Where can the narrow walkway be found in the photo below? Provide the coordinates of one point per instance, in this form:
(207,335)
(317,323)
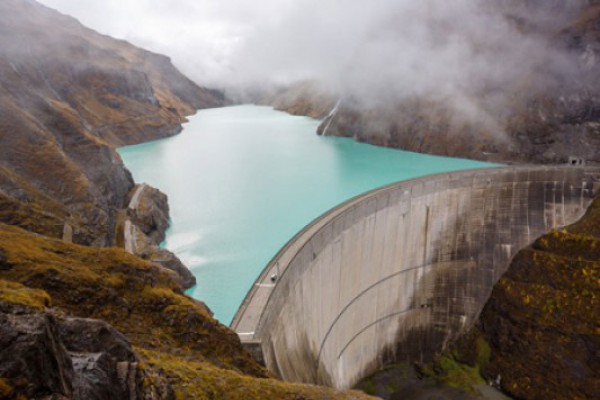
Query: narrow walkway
(129,237)
(129,229)
(135,199)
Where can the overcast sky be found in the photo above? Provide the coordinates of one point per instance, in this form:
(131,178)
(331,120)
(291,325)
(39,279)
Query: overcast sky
(368,49)
(199,35)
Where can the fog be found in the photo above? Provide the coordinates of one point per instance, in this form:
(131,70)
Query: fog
(200,36)
(375,50)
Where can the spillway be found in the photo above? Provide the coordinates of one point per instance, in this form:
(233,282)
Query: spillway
(398,273)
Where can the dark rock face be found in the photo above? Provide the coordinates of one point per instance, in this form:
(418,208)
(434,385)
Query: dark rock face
(73,358)
(32,357)
(86,335)
(542,318)
(148,210)
(98,376)
(105,365)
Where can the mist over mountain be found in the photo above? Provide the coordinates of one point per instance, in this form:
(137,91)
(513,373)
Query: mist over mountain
(503,80)
(416,44)
(510,80)
(400,48)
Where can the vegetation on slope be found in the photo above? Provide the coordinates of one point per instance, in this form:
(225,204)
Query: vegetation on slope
(172,334)
(538,336)
(542,319)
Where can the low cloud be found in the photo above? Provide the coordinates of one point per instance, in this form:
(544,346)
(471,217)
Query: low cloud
(375,50)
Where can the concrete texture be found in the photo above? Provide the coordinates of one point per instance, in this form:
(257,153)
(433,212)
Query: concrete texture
(400,272)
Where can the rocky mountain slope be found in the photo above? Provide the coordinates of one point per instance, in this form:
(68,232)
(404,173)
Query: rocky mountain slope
(78,322)
(542,320)
(68,96)
(548,115)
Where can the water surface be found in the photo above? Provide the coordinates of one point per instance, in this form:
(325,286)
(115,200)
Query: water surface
(243,180)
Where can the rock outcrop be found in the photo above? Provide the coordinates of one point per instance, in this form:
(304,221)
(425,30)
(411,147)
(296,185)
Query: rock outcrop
(144,226)
(44,355)
(32,358)
(149,210)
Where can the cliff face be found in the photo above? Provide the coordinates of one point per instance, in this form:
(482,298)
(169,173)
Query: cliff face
(68,96)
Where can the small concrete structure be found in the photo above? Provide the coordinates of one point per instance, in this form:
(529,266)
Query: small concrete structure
(576,161)
(135,199)
(67,233)
(129,229)
(398,273)
(130,236)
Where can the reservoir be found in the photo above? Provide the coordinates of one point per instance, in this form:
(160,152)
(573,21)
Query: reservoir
(243,180)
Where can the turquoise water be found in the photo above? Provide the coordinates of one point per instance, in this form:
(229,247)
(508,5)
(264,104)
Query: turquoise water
(243,180)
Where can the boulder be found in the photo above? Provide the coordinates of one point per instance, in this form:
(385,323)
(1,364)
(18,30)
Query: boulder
(33,360)
(43,356)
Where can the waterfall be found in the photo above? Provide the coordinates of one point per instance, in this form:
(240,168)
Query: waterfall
(329,117)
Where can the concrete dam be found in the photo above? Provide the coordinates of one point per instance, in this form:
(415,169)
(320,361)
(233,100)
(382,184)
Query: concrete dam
(398,273)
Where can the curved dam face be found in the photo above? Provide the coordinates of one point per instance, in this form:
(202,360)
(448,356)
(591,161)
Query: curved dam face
(399,273)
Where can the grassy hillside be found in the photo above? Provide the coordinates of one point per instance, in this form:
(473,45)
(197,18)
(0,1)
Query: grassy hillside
(174,336)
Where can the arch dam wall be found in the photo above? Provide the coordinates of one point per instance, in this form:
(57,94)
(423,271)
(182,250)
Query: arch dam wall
(399,273)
